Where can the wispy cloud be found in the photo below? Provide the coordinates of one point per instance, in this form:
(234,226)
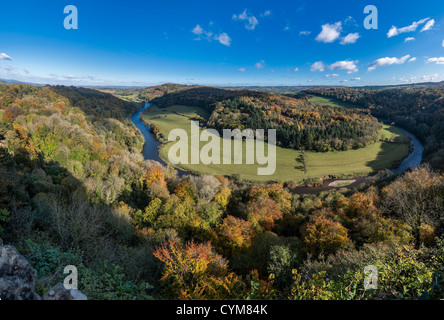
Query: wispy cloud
(331,75)
(241,70)
(430,77)
(409,39)
(304,33)
(438,60)
(394,31)
(260,64)
(330,32)
(251,21)
(201,33)
(223,38)
(387,62)
(428,25)
(356,79)
(4,56)
(350,38)
(348,65)
(317,66)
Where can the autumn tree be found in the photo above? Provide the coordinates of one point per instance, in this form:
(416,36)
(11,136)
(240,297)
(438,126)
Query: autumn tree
(154,174)
(263,213)
(235,235)
(417,198)
(321,234)
(196,271)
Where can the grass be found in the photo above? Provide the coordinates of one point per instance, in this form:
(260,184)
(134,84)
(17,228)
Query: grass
(380,155)
(327,101)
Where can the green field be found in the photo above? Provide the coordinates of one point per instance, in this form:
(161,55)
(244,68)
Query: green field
(327,101)
(375,157)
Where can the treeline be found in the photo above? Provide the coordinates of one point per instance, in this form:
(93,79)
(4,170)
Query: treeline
(151,93)
(418,110)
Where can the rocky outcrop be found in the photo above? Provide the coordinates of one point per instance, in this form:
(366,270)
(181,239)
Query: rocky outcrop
(58,292)
(17,279)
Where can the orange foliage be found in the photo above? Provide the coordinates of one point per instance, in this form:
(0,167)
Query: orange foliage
(322,235)
(154,174)
(263,213)
(275,192)
(196,272)
(235,235)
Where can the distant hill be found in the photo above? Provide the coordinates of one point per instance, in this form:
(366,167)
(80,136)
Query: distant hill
(10,81)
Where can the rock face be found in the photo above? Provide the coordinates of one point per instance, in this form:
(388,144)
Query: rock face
(58,292)
(17,279)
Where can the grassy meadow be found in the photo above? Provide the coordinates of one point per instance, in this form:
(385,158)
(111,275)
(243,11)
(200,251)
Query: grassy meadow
(363,161)
(327,101)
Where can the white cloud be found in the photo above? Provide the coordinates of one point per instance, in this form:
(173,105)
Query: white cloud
(412,59)
(223,38)
(197,30)
(317,66)
(4,56)
(350,38)
(330,32)
(201,33)
(443,43)
(356,79)
(251,21)
(394,31)
(266,13)
(304,33)
(7,68)
(404,79)
(331,75)
(350,66)
(430,77)
(241,69)
(260,64)
(343,81)
(296,69)
(387,61)
(438,60)
(409,39)
(428,25)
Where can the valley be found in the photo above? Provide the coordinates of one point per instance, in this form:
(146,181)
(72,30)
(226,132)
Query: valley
(339,164)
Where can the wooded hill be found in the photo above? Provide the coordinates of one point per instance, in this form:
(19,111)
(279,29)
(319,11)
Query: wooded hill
(418,110)
(299,124)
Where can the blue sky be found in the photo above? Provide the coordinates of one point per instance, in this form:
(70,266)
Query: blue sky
(222,42)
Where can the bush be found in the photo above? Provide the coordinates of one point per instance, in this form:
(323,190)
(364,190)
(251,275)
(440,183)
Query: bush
(3,218)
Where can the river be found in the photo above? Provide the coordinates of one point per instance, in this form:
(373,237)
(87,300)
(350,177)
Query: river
(150,152)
